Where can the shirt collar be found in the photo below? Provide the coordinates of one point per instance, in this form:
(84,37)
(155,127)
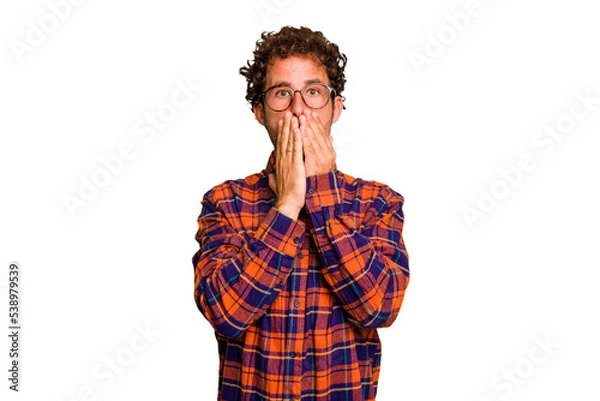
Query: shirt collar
(270,164)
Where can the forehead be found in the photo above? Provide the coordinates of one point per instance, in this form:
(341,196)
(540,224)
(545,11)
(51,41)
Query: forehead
(295,71)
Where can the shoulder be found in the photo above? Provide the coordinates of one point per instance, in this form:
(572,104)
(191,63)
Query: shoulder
(368,190)
(249,187)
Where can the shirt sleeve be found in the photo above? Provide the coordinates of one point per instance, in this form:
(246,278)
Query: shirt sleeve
(365,262)
(238,277)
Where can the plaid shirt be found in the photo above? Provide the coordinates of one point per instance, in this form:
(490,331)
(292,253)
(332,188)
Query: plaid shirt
(296,304)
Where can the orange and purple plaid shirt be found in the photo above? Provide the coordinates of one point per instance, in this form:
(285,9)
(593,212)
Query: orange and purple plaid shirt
(296,304)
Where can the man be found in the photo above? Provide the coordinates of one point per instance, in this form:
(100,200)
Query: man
(299,264)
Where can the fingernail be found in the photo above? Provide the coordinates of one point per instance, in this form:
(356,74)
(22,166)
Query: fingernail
(303,117)
(314,114)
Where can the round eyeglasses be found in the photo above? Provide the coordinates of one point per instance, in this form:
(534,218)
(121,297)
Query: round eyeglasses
(315,96)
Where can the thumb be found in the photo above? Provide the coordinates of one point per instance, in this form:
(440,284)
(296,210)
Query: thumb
(273,183)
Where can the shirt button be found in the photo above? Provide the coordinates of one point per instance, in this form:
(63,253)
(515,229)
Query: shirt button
(297,304)
(296,240)
(292,354)
(300,255)
(311,190)
(280,284)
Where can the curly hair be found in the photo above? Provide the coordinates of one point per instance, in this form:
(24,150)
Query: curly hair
(290,41)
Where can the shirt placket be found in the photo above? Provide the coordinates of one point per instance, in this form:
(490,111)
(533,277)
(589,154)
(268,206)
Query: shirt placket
(296,328)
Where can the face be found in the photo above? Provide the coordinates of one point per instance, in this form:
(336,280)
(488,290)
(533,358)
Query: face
(295,72)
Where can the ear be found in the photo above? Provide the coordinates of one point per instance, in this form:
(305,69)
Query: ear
(338,106)
(259,113)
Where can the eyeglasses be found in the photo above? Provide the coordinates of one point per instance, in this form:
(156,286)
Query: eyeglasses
(315,96)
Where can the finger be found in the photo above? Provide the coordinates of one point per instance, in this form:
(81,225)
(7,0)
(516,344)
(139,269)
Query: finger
(316,121)
(314,140)
(284,138)
(293,126)
(278,145)
(322,132)
(298,152)
(307,143)
(321,141)
(328,138)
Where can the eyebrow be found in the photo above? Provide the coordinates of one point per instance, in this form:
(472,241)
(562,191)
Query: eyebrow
(289,84)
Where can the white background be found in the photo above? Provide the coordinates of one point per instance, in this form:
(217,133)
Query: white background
(482,295)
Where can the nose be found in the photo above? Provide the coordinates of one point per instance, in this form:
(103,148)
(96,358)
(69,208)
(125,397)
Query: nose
(298,104)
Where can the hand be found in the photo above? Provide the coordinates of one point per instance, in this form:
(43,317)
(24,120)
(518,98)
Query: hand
(289,180)
(317,144)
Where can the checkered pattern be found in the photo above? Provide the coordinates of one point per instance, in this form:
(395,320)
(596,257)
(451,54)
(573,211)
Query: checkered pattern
(295,305)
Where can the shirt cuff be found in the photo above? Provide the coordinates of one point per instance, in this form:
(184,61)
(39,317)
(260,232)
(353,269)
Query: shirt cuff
(322,190)
(281,233)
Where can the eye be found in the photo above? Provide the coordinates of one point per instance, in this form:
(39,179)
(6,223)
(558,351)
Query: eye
(313,91)
(280,93)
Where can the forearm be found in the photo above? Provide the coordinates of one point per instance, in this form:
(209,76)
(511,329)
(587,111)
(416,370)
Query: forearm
(368,283)
(238,278)
(365,263)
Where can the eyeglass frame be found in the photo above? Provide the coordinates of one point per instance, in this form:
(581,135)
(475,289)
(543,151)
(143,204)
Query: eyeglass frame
(332,93)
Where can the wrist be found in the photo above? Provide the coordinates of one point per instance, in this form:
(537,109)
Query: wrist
(291,211)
